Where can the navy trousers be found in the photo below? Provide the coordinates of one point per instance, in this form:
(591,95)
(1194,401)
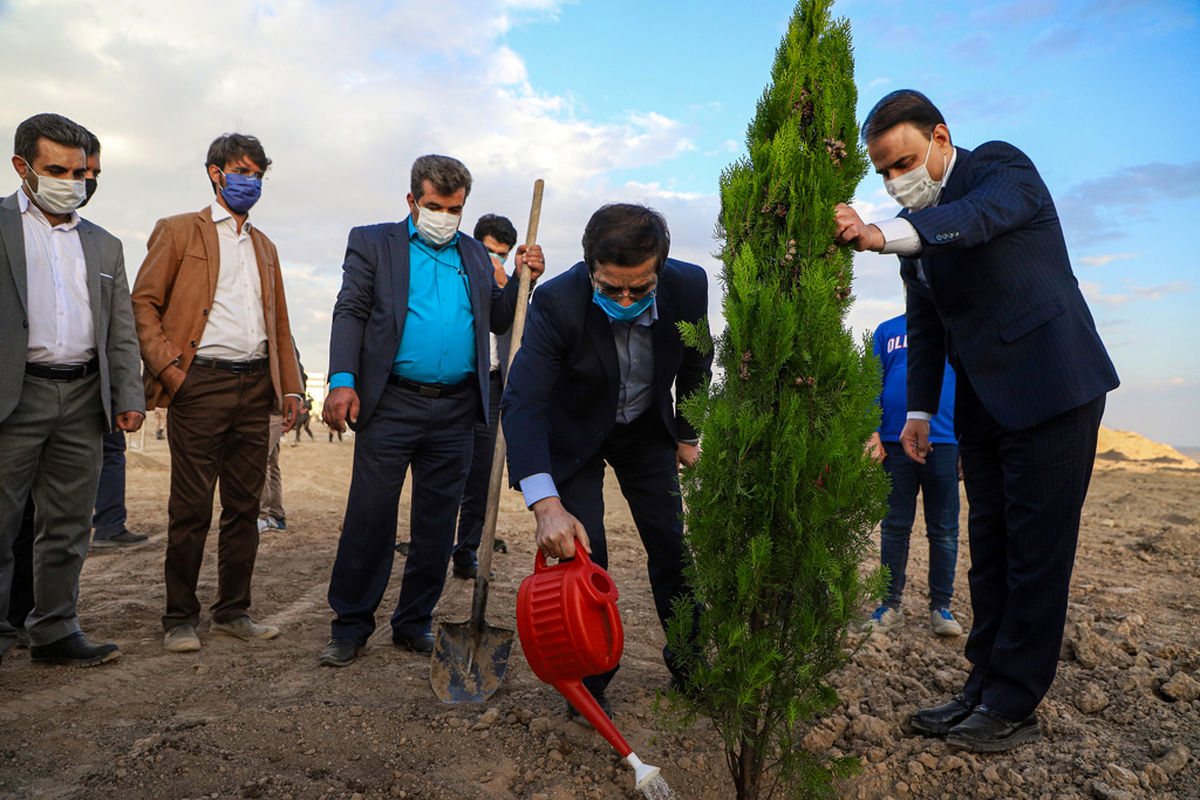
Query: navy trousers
(433,436)
(474,501)
(1026,490)
(643,457)
(109,517)
(937,481)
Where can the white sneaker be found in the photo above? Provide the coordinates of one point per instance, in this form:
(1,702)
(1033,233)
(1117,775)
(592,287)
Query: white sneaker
(943,623)
(883,618)
(181,639)
(263,524)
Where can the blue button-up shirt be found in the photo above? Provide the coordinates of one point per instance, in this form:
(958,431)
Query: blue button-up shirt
(438,345)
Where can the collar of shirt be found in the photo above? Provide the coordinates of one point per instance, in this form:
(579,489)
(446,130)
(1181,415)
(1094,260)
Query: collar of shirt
(413,236)
(27,206)
(220,213)
(645,319)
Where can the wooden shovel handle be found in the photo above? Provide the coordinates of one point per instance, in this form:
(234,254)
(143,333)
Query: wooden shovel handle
(488,539)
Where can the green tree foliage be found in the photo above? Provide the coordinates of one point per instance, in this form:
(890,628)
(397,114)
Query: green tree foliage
(781,505)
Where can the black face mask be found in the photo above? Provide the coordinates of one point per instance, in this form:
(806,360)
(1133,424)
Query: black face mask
(89,187)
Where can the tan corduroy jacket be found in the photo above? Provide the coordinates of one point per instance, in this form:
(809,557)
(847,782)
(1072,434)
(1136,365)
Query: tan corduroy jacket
(174,291)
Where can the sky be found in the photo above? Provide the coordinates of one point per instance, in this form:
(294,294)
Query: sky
(624,100)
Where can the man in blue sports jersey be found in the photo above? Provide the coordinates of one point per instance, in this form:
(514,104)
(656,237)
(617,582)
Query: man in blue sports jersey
(936,480)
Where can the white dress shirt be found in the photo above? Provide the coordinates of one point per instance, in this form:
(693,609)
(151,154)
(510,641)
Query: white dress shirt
(61,329)
(236,329)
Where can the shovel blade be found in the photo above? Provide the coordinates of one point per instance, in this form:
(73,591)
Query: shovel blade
(469,661)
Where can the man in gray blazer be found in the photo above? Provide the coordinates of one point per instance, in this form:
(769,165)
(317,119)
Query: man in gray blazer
(69,372)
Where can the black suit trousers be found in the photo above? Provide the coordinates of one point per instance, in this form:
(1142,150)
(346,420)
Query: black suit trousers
(1026,490)
(432,436)
(643,457)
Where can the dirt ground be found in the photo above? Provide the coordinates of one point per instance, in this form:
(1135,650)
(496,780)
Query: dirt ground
(262,720)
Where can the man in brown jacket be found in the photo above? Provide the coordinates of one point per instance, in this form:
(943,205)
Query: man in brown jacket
(213,325)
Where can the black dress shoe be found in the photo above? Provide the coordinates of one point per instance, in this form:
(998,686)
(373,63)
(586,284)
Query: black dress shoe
(466,570)
(601,700)
(74,650)
(339,653)
(421,643)
(985,731)
(939,720)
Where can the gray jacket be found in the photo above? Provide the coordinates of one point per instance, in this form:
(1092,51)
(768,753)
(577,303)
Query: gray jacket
(108,290)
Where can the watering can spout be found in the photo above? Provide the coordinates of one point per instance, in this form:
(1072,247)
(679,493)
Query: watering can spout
(642,773)
(578,696)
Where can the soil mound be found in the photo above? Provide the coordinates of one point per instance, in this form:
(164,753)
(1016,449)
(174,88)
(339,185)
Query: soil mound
(1127,449)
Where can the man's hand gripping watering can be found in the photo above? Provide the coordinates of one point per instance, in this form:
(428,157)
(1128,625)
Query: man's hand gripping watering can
(569,627)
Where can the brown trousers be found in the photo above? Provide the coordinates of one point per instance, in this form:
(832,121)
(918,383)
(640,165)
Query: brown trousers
(217,429)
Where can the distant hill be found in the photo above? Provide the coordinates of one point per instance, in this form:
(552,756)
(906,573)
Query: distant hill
(1126,449)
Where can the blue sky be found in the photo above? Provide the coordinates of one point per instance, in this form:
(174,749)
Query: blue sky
(614,100)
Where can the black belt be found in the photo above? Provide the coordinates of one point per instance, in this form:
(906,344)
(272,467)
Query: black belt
(236,367)
(430,389)
(63,372)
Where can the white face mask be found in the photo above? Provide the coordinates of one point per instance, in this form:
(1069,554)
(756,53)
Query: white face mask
(56,195)
(437,227)
(916,189)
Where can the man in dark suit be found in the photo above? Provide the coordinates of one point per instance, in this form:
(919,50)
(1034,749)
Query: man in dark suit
(990,286)
(593,382)
(68,371)
(409,367)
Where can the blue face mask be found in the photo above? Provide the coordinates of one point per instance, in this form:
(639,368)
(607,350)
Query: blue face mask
(618,312)
(241,192)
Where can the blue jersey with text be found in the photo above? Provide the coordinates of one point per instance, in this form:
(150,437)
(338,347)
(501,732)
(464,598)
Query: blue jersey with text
(891,346)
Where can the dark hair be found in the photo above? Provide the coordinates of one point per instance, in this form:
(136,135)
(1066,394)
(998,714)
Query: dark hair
(93,145)
(446,174)
(499,228)
(626,235)
(54,127)
(900,106)
(232,147)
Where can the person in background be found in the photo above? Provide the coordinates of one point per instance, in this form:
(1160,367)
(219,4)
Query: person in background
(271,515)
(215,336)
(936,480)
(499,237)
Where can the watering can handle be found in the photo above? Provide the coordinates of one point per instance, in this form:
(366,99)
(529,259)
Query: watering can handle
(540,564)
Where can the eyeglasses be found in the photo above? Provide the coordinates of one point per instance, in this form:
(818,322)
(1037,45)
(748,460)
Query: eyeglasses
(634,293)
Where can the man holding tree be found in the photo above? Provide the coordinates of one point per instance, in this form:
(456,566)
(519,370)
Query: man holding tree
(990,287)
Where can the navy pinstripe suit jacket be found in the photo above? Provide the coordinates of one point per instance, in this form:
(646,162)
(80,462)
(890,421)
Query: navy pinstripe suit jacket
(1000,300)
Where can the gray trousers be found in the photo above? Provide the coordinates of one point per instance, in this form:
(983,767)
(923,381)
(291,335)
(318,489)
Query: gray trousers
(50,448)
(271,503)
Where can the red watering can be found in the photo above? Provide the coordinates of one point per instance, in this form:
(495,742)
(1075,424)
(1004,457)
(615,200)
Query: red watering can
(569,627)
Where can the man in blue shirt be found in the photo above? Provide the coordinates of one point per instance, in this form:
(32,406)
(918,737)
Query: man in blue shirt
(409,367)
(936,479)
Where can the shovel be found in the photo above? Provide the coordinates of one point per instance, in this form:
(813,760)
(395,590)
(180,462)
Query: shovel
(470,658)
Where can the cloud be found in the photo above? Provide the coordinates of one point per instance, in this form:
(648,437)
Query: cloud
(975,48)
(342,117)
(1057,40)
(1017,13)
(1107,258)
(1095,293)
(1095,210)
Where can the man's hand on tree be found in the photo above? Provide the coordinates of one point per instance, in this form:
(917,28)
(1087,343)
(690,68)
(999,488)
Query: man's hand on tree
(342,404)
(915,439)
(853,231)
(557,529)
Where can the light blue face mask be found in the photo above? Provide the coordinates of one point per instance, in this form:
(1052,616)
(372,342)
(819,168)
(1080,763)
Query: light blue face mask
(619,312)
